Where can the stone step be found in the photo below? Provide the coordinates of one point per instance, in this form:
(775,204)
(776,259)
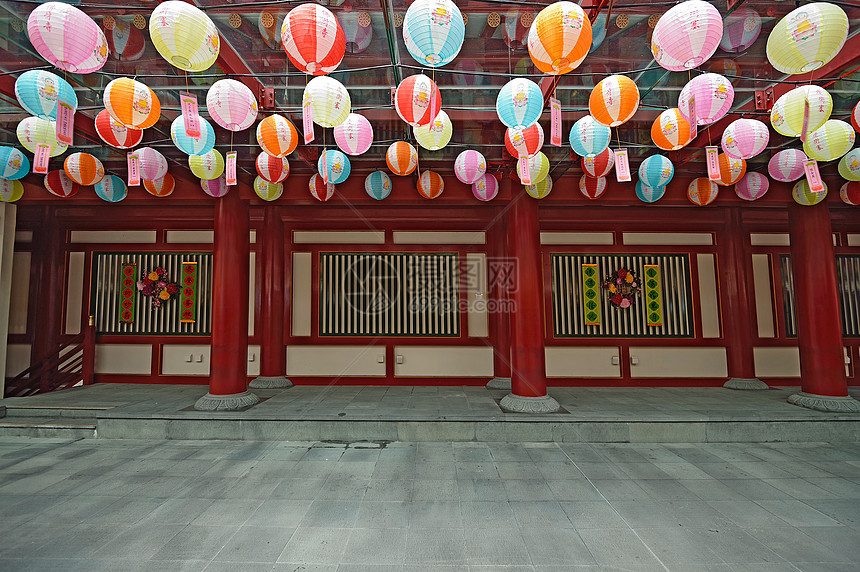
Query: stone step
(69,411)
(47,427)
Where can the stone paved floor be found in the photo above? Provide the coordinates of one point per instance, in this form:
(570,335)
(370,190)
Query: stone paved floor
(97,505)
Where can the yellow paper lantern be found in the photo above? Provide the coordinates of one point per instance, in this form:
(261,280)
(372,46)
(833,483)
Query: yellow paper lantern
(329,101)
(538,167)
(11,190)
(266,190)
(786,117)
(540,190)
(803,195)
(184,35)
(34,131)
(436,134)
(807,38)
(830,141)
(207,166)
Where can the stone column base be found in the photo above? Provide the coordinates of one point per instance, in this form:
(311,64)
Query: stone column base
(233,402)
(827,403)
(745,383)
(499,383)
(519,404)
(273,382)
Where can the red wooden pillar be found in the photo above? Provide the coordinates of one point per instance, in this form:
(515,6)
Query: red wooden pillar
(528,363)
(51,247)
(499,298)
(228,377)
(273,360)
(819,328)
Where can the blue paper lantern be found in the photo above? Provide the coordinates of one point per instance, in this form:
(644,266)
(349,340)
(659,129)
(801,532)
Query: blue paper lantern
(433,31)
(378,185)
(111,189)
(648,194)
(598,32)
(39,92)
(520,103)
(337,166)
(656,171)
(13,164)
(192,145)
(588,138)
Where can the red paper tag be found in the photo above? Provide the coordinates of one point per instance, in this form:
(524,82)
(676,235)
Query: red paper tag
(813,177)
(231,168)
(133,170)
(525,172)
(65,123)
(622,166)
(40,160)
(555,131)
(189,114)
(712,158)
(308,121)
(324,167)
(805,131)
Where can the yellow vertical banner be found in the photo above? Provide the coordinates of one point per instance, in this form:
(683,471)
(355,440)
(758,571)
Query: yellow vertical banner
(653,295)
(590,295)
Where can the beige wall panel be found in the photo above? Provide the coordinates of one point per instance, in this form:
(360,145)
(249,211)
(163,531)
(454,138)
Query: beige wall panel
(777,362)
(854,240)
(769,239)
(254,360)
(678,362)
(477,295)
(442,361)
(582,361)
(708,296)
(190,236)
(668,238)
(301,304)
(17,359)
(23,236)
(339,237)
(334,361)
(438,237)
(185,360)
(113,236)
(123,358)
(20,294)
(75,293)
(577,238)
(763,296)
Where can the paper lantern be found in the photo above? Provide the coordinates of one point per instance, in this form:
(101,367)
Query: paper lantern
(67,37)
(84,169)
(486,188)
(648,194)
(417,100)
(356,34)
(613,100)
(752,186)
(656,171)
(803,195)
(687,35)
(33,131)
(115,133)
(329,101)
(272,169)
(526,141)
(472,73)
(850,193)
(267,190)
(216,188)
(670,131)
(702,191)
(162,187)
(469,166)
(151,163)
(14,164)
(731,170)
(59,184)
(313,39)
(519,103)
(600,165)
(40,92)
(713,95)
(830,141)
(401,158)
(598,32)
(741,28)
(849,165)
(111,189)
(335,165)
(132,103)
(515,29)
(807,38)
(559,38)
(184,35)
(855,117)
(787,165)
(592,187)
(192,145)
(786,117)
(436,134)
(745,138)
(231,104)
(588,138)
(377,185)
(125,41)
(539,190)
(430,184)
(207,166)
(355,135)
(433,31)
(320,190)
(11,190)
(277,135)
(538,167)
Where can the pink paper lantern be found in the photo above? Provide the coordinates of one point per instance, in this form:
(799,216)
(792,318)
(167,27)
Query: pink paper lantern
(599,166)
(855,117)
(687,35)
(752,186)
(486,188)
(592,187)
(67,37)
(850,193)
(231,104)
(745,138)
(151,163)
(272,169)
(355,135)
(320,190)
(713,95)
(787,165)
(469,166)
(215,188)
(741,29)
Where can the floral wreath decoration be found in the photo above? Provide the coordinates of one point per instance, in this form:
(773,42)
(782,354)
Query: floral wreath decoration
(623,285)
(157,285)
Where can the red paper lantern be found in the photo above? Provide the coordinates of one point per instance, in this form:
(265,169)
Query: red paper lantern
(526,141)
(272,169)
(58,183)
(599,166)
(592,187)
(313,39)
(417,100)
(115,133)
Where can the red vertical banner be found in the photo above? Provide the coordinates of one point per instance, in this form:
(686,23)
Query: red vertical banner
(133,170)
(813,176)
(712,158)
(65,123)
(188,297)
(127,291)
(555,113)
(41,159)
(190,115)
(525,172)
(622,166)
(231,168)
(308,121)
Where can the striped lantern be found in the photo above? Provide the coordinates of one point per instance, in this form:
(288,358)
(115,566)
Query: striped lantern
(377,185)
(469,77)
(430,184)
(216,188)
(231,104)
(786,117)
(592,187)
(14,164)
(111,189)
(433,31)
(787,165)
(401,158)
(11,190)
(272,169)
(830,141)
(59,184)
(277,136)
(162,187)
(702,191)
(207,166)
(803,195)
(538,167)
(745,138)
(670,131)
(599,166)
(334,166)
(151,163)
(115,133)
(84,169)
(613,100)
(519,103)
(741,29)
(33,131)
(855,117)
(559,38)
(656,171)
(526,141)
(731,170)
(436,134)
(192,145)
(588,138)
(539,190)
(713,95)
(313,39)
(356,35)
(648,194)
(40,92)
(267,190)
(850,193)
(752,186)
(687,35)
(417,100)
(470,166)
(125,41)
(486,188)
(849,165)
(67,37)
(807,38)
(184,35)
(355,135)
(329,101)
(132,103)
(320,190)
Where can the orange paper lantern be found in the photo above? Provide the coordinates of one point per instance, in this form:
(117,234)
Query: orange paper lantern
(613,100)
(132,103)
(559,38)
(731,170)
(402,158)
(430,184)
(84,169)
